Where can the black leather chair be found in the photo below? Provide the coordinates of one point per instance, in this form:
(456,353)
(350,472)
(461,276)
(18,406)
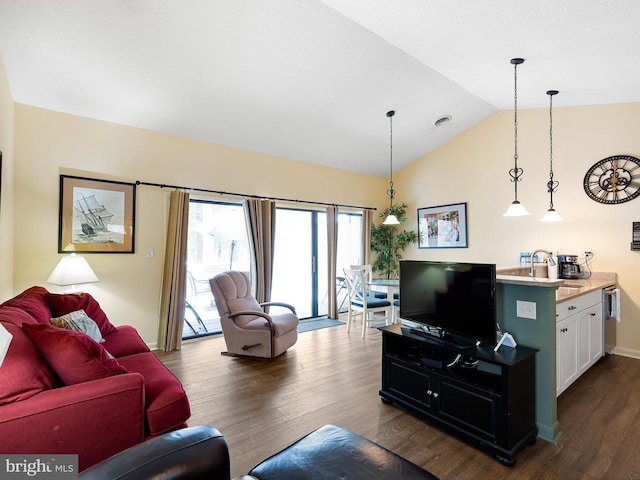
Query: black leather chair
(329,453)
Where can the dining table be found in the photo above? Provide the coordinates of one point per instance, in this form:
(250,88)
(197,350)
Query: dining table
(391,287)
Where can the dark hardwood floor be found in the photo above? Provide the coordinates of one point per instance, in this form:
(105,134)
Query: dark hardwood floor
(329,376)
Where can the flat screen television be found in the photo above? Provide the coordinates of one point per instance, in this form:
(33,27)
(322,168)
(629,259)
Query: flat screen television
(453,301)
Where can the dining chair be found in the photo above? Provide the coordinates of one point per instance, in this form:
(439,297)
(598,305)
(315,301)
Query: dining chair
(341,284)
(396,311)
(360,302)
(368,275)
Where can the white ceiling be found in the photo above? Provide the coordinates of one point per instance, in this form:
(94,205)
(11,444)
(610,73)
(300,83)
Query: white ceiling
(312,80)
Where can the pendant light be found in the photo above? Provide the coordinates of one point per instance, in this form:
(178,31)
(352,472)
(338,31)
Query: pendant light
(391,218)
(552,185)
(516,209)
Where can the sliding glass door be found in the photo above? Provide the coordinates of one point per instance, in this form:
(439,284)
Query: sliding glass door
(218,242)
(349,252)
(300,259)
(295,265)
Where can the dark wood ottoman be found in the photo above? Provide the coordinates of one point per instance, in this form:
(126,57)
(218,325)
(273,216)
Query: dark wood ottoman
(332,453)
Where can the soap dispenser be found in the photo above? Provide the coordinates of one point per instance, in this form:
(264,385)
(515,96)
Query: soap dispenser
(552,268)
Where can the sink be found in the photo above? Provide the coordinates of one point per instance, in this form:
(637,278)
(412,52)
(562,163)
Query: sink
(567,289)
(540,271)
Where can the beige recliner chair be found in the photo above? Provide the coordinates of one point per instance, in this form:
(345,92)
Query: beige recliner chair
(247,329)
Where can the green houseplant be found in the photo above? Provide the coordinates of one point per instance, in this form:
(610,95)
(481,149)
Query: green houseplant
(389,241)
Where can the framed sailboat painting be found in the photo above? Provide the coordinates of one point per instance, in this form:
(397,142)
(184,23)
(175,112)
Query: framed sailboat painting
(96,216)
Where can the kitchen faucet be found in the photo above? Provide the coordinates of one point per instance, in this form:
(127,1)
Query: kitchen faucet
(549,257)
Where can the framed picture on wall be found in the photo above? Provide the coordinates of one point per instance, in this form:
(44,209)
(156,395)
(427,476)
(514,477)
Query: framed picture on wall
(444,226)
(96,216)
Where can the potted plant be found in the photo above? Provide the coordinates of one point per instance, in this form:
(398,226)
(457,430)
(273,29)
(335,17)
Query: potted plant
(389,241)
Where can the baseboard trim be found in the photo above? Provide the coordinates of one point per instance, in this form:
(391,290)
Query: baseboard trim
(626,352)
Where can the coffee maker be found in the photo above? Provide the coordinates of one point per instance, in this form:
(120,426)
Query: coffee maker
(568,267)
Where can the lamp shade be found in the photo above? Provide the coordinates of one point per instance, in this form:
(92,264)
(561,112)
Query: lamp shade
(516,209)
(551,216)
(5,341)
(391,220)
(72,270)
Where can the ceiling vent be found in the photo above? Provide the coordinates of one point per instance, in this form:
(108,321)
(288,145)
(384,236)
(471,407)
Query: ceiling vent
(442,120)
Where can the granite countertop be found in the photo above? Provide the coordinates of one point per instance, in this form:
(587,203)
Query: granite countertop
(580,286)
(566,289)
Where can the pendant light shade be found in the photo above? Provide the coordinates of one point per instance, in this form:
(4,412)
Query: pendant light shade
(516,209)
(391,218)
(551,216)
(552,185)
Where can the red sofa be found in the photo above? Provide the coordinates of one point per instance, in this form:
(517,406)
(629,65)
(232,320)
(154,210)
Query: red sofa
(63,392)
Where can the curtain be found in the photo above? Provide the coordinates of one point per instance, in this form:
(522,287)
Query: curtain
(260,217)
(367,221)
(172,302)
(332,259)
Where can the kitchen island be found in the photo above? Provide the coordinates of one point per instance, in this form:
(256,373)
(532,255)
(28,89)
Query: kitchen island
(528,309)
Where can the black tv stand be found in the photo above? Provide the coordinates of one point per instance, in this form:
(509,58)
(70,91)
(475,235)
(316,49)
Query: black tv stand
(438,335)
(484,396)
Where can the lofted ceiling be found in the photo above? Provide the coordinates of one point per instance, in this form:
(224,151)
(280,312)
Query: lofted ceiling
(312,80)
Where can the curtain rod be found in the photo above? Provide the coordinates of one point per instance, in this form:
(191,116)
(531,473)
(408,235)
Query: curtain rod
(220,192)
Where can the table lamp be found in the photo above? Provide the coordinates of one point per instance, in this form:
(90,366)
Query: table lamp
(72,270)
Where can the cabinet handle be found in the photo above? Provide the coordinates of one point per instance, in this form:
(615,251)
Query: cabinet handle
(572,307)
(435,394)
(592,314)
(429,392)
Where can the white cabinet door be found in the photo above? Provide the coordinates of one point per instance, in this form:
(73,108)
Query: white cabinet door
(596,333)
(566,352)
(579,337)
(583,325)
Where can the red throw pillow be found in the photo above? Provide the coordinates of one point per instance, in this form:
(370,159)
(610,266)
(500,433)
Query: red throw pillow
(23,372)
(63,303)
(74,356)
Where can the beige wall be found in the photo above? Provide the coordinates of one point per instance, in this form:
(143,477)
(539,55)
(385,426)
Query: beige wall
(6,188)
(50,143)
(473,168)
